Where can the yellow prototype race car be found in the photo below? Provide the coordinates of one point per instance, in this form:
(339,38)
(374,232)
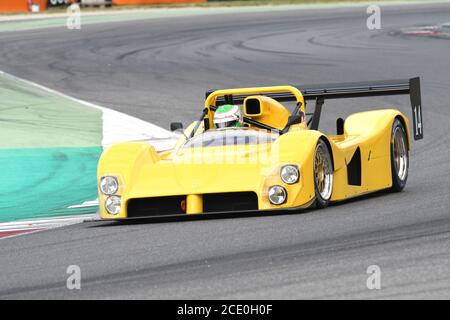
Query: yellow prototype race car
(277,160)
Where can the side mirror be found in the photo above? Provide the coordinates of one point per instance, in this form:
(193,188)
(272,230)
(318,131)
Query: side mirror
(174,126)
(293,119)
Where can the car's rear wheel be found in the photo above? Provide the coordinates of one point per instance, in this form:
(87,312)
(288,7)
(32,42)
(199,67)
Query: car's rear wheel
(399,156)
(323,175)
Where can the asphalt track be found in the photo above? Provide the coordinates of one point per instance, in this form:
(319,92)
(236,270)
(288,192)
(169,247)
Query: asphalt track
(158,70)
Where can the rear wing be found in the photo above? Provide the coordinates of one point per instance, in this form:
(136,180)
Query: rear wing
(319,93)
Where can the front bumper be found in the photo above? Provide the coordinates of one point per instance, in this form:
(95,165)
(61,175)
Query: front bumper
(213,215)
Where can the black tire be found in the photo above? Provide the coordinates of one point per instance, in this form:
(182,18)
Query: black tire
(399,156)
(323,188)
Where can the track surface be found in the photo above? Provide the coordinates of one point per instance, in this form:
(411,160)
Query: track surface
(158,70)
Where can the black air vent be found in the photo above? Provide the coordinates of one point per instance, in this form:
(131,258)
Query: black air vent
(233,201)
(354,169)
(157,206)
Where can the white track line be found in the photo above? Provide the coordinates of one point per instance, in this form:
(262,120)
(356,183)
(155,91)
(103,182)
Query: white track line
(47,223)
(117,126)
(85,204)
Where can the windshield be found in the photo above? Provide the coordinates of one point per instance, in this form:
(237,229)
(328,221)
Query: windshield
(230,136)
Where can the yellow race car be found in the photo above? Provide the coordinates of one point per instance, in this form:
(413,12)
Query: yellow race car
(277,160)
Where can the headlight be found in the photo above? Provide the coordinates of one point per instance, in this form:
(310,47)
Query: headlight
(290,174)
(277,195)
(109,185)
(113,205)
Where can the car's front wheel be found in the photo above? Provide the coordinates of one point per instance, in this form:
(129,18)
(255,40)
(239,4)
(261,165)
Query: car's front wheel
(323,175)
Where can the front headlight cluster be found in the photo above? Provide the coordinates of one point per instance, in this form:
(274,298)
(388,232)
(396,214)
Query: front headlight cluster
(289,174)
(113,204)
(109,187)
(277,195)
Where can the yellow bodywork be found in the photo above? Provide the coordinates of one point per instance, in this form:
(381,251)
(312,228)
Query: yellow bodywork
(194,172)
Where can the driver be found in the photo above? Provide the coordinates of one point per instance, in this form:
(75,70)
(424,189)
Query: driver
(228,116)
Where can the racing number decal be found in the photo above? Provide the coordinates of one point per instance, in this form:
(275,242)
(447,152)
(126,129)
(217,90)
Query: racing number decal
(416,105)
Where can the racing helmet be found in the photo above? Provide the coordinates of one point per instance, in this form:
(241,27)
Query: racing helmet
(228,116)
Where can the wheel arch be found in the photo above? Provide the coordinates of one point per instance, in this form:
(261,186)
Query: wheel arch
(330,149)
(124,158)
(405,124)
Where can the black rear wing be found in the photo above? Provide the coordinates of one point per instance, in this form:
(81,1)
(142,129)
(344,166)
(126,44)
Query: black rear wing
(319,93)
